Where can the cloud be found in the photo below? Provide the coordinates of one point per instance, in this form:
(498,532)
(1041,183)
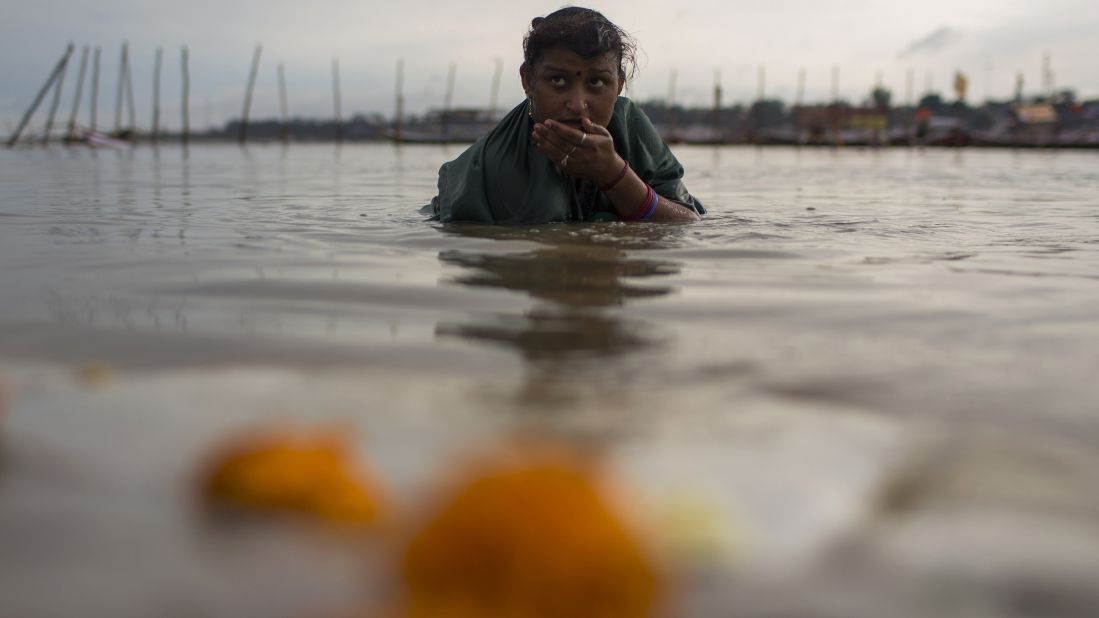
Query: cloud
(933,42)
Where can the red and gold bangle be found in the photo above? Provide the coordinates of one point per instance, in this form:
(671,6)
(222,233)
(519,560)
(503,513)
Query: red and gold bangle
(617,179)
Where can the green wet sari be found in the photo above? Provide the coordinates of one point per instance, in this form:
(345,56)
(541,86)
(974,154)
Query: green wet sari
(503,179)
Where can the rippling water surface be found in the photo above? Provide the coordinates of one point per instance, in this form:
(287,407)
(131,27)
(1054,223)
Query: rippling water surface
(865,366)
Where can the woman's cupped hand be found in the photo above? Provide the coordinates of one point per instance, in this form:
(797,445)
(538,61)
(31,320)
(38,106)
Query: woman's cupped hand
(586,152)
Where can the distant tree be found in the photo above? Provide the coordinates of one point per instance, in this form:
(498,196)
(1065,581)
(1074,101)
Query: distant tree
(767,113)
(881,97)
(1067,95)
(932,102)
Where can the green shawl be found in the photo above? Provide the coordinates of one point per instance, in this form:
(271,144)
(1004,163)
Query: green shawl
(502,178)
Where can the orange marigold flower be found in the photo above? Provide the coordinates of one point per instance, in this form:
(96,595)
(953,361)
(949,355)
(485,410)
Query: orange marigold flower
(298,470)
(531,535)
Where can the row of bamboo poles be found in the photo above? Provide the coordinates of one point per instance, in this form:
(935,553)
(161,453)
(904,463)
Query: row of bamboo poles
(125,98)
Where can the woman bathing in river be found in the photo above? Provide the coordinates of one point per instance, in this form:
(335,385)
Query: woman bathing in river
(574,150)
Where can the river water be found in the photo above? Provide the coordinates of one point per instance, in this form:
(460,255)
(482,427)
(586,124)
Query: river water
(871,376)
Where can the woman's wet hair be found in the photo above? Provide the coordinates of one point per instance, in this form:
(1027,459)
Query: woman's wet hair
(583,31)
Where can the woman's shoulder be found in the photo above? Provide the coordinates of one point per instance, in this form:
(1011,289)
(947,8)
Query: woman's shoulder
(631,125)
(627,109)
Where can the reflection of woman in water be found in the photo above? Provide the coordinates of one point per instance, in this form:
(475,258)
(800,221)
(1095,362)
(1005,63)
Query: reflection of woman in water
(574,150)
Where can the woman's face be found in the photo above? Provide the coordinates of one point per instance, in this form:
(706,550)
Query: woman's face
(564,86)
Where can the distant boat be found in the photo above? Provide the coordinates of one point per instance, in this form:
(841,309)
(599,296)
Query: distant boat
(96,139)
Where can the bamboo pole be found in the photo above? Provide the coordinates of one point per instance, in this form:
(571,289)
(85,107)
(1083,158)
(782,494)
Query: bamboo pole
(118,91)
(282,105)
(398,116)
(94,111)
(800,98)
(717,105)
(837,139)
(671,104)
(495,89)
(1047,76)
(799,101)
(447,100)
(56,101)
(248,94)
(910,115)
(41,94)
(185,135)
(336,98)
(70,133)
(156,94)
(717,90)
(130,95)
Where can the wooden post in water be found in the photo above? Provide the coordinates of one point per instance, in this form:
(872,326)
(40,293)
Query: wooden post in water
(285,132)
(118,91)
(38,98)
(336,98)
(56,100)
(132,115)
(834,111)
(398,116)
(248,94)
(671,106)
(719,132)
(447,100)
(70,133)
(1047,76)
(910,116)
(799,100)
(94,111)
(495,89)
(185,131)
(717,90)
(156,94)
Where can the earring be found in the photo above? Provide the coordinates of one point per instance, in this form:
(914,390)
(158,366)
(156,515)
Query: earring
(530,107)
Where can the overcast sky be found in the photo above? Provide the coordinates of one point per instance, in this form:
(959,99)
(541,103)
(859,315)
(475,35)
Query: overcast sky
(988,40)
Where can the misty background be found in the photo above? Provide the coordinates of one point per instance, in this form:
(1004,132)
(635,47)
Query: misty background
(990,41)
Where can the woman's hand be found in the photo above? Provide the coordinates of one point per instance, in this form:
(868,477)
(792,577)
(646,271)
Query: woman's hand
(587,152)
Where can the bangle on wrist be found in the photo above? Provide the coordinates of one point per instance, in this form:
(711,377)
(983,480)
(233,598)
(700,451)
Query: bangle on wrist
(617,179)
(648,206)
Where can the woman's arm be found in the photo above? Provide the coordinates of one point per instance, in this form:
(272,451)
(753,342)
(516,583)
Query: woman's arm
(588,153)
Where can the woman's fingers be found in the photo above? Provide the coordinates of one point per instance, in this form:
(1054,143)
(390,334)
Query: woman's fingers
(549,147)
(591,127)
(578,150)
(564,137)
